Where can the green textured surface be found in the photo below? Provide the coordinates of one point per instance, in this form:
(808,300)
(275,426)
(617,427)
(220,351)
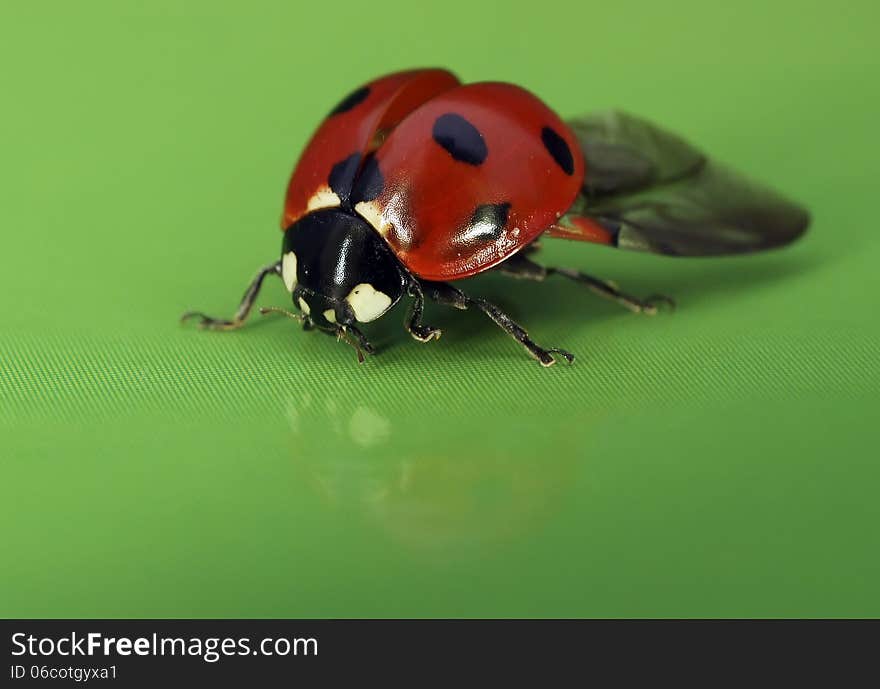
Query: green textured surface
(718,461)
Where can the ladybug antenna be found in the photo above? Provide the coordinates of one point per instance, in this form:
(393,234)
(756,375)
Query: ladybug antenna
(299,318)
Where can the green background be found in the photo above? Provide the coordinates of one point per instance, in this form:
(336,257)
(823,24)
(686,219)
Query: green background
(720,460)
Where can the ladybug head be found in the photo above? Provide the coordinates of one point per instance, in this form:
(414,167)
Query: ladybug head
(339,270)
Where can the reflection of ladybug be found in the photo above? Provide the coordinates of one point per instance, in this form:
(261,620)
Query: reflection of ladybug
(415,180)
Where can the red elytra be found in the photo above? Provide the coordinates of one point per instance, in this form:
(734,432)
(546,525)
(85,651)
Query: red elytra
(528,165)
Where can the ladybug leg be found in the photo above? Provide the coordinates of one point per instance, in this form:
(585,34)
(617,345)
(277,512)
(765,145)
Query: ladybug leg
(609,290)
(413,323)
(521,267)
(446,294)
(244,308)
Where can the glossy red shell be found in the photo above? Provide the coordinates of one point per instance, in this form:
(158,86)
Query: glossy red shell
(358,129)
(447,214)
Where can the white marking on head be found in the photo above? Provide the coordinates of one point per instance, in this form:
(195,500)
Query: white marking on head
(324,197)
(304,306)
(372,213)
(288,270)
(330,315)
(367,302)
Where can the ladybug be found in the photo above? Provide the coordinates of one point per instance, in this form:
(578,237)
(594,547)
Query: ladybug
(415,180)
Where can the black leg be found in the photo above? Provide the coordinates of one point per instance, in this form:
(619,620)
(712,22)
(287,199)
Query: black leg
(521,267)
(244,308)
(444,293)
(413,323)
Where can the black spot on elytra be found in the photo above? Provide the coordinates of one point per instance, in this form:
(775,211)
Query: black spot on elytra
(460,138)
(557,148)
(369,182)
(354,182)
(352,100)
(490,219)
(342,175)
